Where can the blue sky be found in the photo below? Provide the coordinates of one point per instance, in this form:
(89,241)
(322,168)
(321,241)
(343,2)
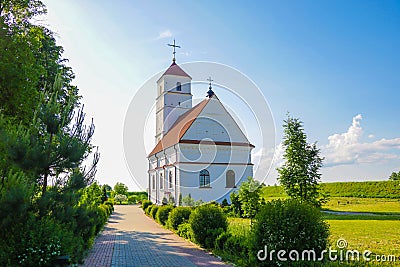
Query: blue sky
(325,62)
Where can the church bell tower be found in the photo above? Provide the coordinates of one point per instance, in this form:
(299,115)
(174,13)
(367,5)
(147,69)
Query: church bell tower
(174,97)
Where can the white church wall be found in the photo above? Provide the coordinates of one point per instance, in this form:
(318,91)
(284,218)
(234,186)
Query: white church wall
(190,181)
(216,124)
(171,103)
(169,83)
(214,153)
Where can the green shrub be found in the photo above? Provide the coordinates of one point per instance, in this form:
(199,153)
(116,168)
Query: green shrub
(162,214)
(287,225)
(145,204)
(221,240)
(147,211)
(178,216)
(107,211)
(133,199)
(110,204)
(207,223)
(184,230)
(153,211)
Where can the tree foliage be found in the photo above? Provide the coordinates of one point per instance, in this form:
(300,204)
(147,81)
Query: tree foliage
(46,197)
(250,197)
(300,174)
(287,225)
(120,198)
(394,176)
(121,189)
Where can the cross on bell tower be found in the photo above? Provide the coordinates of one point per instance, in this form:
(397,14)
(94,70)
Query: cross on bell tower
(210,92)
(174,46)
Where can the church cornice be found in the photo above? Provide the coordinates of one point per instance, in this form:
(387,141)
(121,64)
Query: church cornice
(218,143)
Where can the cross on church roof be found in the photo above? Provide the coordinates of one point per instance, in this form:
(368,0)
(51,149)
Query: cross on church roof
(174,46)
(210,92)
(210,80)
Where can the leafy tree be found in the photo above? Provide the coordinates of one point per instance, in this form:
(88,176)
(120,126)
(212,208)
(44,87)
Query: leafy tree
(236,204)
(394,176)
(92,195)
(188,201)
(43,144)
(300,175)
(121,189)
(180,199)
(133,199)
(107,187)
(250,197)
(104,195)
(120,198)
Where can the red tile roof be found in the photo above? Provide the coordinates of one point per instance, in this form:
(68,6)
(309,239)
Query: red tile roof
(174,69)
(183,123)
(179,128)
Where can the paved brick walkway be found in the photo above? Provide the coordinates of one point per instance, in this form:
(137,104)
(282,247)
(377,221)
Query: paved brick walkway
(130,238)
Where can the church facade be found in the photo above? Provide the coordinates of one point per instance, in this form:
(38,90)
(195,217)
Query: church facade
(200,150)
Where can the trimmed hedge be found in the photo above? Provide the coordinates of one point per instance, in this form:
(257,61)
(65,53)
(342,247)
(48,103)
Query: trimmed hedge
(147,211)
(145,204)
(153,211)
(287,225)
(207,223)
(178,216)
(162,214)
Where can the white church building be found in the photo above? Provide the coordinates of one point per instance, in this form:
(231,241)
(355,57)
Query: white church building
(200,150)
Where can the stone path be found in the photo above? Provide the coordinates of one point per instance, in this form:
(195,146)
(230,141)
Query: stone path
(131,239)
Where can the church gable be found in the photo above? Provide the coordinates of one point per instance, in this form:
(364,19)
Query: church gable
(215,123)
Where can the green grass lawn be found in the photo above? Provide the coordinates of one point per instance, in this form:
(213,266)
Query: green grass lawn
(378,232)
(378,236)
(385,205)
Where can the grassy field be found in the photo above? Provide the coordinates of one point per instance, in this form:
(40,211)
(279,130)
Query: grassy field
(378,231)
(378,236)
(377,189)
(374,205)
(381,237)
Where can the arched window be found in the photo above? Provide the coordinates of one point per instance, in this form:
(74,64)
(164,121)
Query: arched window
(178,86)
(204,178)
(170,180)
(230,179)
(161,181)
(153,182)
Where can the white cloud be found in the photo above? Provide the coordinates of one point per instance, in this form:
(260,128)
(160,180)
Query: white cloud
(347,148)
(266,161)
(164,34)
(343,155)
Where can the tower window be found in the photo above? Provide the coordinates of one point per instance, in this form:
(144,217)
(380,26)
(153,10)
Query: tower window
(154,182)
(178,86)
(161,181)
(204,178)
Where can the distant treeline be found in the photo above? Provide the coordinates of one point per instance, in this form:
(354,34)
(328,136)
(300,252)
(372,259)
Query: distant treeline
(381,189)
(138,193)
